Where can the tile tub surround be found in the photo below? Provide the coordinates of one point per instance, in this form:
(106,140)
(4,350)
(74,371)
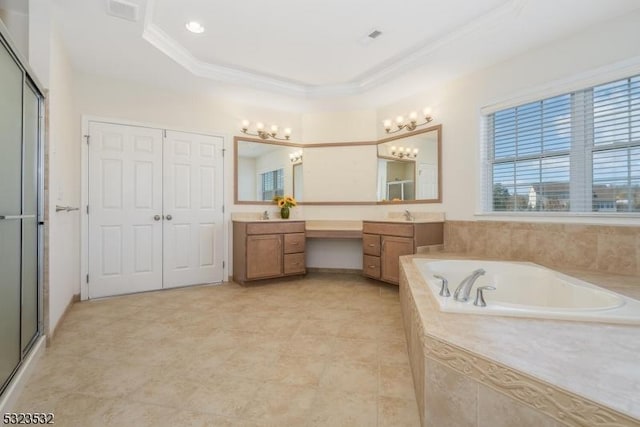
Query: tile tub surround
(560,372)
(603,248)
(326,350)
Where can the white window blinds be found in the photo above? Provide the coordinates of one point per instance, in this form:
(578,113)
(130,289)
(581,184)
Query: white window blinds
(577,152)
(272,184)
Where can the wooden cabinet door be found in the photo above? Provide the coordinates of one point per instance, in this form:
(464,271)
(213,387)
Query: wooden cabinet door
(264,256)
(392,249)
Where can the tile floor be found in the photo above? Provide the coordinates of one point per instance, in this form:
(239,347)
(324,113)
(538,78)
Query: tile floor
(326,350)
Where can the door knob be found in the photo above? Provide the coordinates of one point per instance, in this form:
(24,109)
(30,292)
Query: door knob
(169,217)
(156,217)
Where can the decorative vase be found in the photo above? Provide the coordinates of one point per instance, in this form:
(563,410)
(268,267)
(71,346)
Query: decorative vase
(284,213)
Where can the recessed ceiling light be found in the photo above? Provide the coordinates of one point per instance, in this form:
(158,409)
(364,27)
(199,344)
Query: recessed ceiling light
(195,27)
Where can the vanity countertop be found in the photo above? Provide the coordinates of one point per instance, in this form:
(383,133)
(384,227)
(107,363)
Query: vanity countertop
(404,221)
(597,361)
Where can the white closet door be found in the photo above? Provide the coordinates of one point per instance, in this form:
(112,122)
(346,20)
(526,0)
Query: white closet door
(193,228)
(125,209)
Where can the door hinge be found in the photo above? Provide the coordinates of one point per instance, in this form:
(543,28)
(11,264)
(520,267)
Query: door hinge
(87,209)
(222,208)
(87,278)
(223,264)
(223,151)
(87,137)
(164,133)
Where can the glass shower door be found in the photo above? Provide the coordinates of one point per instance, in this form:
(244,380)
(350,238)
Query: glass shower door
(30,218)
(11,78)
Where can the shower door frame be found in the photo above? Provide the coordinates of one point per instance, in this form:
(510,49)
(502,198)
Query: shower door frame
(30,80)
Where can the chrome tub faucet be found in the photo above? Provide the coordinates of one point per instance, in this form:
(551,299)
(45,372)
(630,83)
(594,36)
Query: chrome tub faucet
(464,288)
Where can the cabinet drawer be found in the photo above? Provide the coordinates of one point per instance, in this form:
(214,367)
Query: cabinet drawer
(275,227)
(293,242)
(371,244)
(371,266)
(388,229)
(294,263)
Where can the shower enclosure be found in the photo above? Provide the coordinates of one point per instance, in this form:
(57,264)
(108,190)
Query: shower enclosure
(21,219)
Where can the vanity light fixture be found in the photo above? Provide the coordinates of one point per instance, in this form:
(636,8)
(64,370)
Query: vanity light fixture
(195,27)
(404,153)
(263,134)
(413,121)
(296,156)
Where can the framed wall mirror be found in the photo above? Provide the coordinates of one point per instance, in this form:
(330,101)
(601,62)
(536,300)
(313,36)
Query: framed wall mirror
(366,173)
(265,169)
(410,167)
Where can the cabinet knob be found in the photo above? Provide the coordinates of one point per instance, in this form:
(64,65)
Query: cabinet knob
(371,245)
(372,266)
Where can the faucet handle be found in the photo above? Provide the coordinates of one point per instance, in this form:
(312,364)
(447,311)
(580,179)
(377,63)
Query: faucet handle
(444,290)
(480,302)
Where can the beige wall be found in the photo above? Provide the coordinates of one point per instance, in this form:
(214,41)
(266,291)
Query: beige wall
(64,185)
(339,126)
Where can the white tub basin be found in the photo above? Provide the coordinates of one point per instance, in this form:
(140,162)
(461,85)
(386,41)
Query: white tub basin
(528,290)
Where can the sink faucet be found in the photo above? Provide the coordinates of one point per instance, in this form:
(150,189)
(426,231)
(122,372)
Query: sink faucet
(464,288)
(265,215)
(408,216)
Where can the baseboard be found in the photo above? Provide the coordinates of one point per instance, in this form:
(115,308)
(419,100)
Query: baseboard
(13,391)
(52,332)
(334,270)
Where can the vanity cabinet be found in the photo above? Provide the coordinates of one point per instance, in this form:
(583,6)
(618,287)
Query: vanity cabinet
(265,250)
(384,242)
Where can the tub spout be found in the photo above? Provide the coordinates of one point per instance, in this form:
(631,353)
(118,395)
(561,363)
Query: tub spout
(464,288)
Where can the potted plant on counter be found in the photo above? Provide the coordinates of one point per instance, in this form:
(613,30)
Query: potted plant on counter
(285,203)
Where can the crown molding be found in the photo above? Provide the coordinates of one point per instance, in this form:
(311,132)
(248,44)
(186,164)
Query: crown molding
(387,71)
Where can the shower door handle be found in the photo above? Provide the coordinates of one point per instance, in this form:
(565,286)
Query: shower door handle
(8,217)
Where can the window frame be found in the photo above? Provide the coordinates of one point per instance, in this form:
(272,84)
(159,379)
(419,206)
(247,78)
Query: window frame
(580,153)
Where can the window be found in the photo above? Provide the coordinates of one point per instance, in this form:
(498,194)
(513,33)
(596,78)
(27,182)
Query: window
(577,152)
(272,184)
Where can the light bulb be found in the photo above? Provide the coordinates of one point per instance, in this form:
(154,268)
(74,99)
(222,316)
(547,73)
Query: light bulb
(393,149)
(413,116)
(399,120)
(274,129)
(387,124)
(259,126)
(415,151)
(287,131)
(426,111)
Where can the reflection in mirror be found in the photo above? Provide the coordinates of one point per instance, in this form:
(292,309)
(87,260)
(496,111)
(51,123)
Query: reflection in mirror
(298,183)
(396,179)
(408,167)
(265,170)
